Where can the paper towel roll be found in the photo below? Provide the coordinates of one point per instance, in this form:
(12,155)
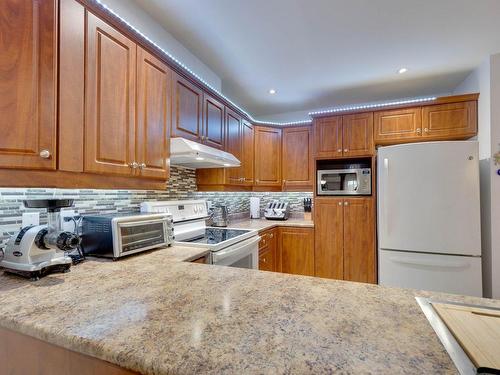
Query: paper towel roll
(254,208)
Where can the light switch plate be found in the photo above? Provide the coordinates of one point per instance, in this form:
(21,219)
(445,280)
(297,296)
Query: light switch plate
(30,218)
(67,226)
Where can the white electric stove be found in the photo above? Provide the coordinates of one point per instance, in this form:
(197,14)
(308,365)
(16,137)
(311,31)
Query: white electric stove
(229,246)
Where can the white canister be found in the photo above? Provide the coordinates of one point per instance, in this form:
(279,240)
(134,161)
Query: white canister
(254,208)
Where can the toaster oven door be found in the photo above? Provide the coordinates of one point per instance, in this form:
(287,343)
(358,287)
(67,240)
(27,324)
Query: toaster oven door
(132,237)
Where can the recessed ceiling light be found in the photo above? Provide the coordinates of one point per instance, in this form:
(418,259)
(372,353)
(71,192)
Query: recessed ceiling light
(402,70)
(272,91)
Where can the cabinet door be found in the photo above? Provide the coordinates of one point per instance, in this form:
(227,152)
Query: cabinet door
(187,109)
(297,161)
(28,84)
(213,124)
(110,99)
(233,146)
(328,136)
(267,156)
(329,237)
(266,260)
(154,80)
(296,248)
(247,158)
(399,125)
(357,134)
(359,240)
(450,121)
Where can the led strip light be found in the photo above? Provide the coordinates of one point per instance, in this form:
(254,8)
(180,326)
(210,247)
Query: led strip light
(290,123)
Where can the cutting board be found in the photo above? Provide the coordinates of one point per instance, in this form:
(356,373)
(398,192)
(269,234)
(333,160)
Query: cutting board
(477,330)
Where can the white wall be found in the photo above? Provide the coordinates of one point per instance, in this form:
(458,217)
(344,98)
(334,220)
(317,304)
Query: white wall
(486,80)
(137,17)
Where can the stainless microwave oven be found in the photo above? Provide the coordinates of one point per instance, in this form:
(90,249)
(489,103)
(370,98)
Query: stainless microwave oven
(115,236)
(354,181)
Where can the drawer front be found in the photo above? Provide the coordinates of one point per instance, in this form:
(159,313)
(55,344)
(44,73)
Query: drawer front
(266,260)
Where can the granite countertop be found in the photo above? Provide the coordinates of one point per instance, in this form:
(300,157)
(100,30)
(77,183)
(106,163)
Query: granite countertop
(155,314)
(263,224)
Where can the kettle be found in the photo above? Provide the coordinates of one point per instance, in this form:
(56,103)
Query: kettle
(219,216)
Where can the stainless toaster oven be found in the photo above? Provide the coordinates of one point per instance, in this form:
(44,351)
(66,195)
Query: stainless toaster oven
(113,236)
(349,181)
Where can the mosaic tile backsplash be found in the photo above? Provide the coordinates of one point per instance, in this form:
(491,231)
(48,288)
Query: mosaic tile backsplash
(182,185)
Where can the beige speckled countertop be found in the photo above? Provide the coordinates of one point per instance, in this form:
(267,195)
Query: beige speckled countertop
(262,224)
(155,314)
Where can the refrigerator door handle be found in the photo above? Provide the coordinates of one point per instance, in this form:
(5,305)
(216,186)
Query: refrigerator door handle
(428,263)
(386,196)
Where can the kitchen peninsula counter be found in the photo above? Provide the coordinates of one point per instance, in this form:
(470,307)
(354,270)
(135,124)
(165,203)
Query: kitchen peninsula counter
(155,314)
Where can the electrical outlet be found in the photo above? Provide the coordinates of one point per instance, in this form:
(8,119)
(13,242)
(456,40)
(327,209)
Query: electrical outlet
(68,226)
(30,218)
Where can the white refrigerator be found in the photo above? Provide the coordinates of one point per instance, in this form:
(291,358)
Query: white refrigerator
(429,233)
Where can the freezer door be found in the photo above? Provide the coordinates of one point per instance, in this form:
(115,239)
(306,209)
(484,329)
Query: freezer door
(428,197)
(440,273)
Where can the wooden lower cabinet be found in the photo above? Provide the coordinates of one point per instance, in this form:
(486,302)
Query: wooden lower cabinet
(345,245)
(296,250)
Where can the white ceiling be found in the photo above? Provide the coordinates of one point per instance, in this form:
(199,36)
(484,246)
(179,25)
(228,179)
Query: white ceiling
(320,53)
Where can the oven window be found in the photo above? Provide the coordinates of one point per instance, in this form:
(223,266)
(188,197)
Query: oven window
(141,236)
(331,182)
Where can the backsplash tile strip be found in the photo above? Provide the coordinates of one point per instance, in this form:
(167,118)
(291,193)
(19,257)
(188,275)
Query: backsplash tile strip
(181,185)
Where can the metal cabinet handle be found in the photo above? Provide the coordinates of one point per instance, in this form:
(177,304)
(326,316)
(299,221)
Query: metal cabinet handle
(339,150)
(142,166)
(264,260)
(45,154)
(271,235)
(346,203)
(346,150)
(134,165)
(426,130)
(419,130)
(340,203)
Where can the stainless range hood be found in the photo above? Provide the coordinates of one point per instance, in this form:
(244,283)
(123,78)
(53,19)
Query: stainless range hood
(189,154)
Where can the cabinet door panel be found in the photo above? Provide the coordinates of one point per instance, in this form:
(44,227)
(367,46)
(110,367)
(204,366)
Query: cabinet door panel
(329,237)
(187,110)
(399,125)
(328,136)
(357,134)
(454,120)
(296,248)
(248,153)
(110,99)
(213,131)
(267,156)
(153,115)
(297,159)
(359,240)
(28,83)
(266,260)
(233,146)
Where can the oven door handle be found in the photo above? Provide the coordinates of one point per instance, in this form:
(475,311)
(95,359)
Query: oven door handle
(231,252)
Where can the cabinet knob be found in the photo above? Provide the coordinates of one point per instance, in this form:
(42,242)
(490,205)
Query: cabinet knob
(346,150)
(142,166)
(133,165)
(264,260)
(340,203)
(339,150)
(346,203)
(45,154)
(242,179)
(426,130)
(271,235)
(419,130)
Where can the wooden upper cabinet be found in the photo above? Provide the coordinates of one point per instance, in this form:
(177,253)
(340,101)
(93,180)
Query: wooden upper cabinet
(359,240)
(267,156)
(234,176)
(110,99)
(213,122)
(28,84)
(398,125)
(455,120)
(247,157)
(357,134)
(329,237)
(187,109)
(328,136)
(154,79)
(297,164)
(296,250)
